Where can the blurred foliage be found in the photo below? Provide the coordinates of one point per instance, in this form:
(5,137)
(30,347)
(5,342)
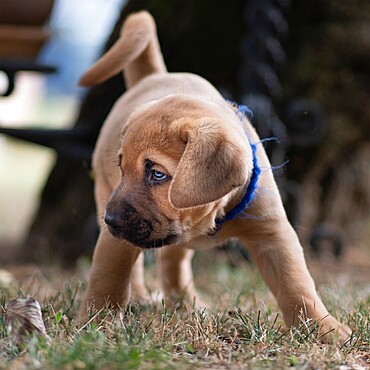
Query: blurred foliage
(328,60)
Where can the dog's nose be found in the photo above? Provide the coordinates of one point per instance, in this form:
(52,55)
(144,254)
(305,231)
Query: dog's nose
(113,220)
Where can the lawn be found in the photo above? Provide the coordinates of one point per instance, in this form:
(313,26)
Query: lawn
(242,328)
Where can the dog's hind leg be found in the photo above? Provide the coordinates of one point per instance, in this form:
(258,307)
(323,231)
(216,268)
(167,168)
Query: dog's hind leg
(175,274)
(139,293)
(278,254)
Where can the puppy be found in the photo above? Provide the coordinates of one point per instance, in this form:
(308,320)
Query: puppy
(187,167)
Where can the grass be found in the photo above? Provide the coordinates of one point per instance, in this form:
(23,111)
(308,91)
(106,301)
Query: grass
(242,328)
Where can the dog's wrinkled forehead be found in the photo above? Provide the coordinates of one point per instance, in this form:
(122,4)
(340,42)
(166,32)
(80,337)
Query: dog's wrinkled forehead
(157,125)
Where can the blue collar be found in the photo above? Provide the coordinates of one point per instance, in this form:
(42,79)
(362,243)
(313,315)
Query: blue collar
(252,186)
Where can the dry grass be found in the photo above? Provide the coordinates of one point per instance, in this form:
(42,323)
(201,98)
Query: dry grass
(241,329)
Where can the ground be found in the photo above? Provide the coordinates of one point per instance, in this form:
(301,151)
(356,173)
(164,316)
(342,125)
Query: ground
(241,328)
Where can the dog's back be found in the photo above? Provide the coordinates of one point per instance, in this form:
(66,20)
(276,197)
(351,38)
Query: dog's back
(136,52)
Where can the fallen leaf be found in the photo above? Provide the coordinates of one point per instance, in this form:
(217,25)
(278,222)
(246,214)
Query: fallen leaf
(23,318)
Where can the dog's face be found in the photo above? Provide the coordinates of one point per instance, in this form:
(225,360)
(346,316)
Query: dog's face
(179,162)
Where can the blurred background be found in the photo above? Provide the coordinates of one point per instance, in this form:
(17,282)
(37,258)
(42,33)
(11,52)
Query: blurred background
(302,66)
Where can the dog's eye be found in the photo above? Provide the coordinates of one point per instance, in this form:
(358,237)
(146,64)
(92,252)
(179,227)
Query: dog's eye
(154,175)
(158,176)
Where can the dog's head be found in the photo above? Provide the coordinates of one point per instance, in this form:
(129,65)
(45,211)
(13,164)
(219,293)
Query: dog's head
(180,161)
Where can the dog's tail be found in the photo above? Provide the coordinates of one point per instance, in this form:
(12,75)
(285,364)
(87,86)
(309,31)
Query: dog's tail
(137,53)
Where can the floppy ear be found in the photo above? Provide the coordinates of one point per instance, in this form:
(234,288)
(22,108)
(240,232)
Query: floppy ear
(211,166)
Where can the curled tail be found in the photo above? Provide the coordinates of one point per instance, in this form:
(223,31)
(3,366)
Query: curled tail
(137,53)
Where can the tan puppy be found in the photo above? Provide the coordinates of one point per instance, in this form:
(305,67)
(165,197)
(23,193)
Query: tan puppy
(184,159)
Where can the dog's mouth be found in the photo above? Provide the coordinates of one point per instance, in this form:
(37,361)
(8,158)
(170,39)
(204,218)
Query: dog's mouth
(158,243)
(125,222)
(145,244)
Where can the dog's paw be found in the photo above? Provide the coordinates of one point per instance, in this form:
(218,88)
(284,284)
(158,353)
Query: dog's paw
(185,300)
(141,296)
(332,331)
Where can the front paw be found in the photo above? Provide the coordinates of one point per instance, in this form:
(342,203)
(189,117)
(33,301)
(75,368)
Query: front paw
(332,331)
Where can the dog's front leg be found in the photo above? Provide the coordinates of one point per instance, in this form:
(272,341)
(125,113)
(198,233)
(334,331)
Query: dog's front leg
(110,276)
(279,257)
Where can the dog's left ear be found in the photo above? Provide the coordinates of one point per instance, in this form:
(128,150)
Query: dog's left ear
(211,166)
